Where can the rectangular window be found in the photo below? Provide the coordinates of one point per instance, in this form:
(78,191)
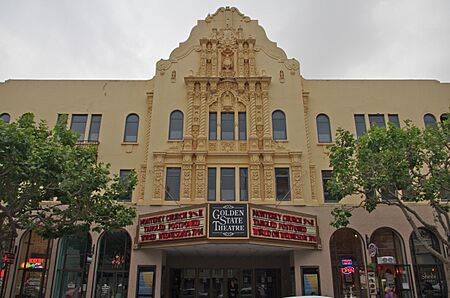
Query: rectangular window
(243,184)
(393,118)
(377,120)
(360,123)
(173,184)
(78,125)
(227,184)
(389,194)
(94,130)
(145,287)
(62,118)
(213,126)
(242,126)
(310,281)
(326,176)
(227,125)
(126,196)
(212,184)
(282,184)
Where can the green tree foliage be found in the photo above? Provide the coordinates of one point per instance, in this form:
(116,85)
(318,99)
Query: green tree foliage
(52,185)
(395,166)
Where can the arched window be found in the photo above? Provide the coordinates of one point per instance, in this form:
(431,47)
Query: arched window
(323,128)
(444,117)
(73,265)
(5,117)
(32,273)
(176,126)
(131,128)
(346,247)
(392,269)
(113,264)
(429,120)
(429,271)
(279,125)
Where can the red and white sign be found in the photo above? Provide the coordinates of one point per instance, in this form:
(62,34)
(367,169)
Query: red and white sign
(183,224)
(279,225)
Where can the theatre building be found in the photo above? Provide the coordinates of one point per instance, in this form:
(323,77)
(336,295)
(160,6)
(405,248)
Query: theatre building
(229,142)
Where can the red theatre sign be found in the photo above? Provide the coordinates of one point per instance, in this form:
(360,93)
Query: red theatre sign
(272,224)
(182,224)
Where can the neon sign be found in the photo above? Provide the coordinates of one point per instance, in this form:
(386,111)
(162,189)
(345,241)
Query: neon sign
(36,263)
(348,270)
(347,262)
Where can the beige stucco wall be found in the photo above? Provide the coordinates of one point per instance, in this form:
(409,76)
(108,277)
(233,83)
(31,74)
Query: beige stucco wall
(300,99)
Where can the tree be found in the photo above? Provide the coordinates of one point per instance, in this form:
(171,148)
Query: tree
(54,186)
(392,166)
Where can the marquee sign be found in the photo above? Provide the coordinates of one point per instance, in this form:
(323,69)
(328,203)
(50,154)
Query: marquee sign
(173,225)
(227,221)
(282,225)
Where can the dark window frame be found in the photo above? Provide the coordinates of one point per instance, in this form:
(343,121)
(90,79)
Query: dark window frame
(360,126)
(128,138)
(168,195)
(228,122)
(429,120)
(3,115)
(222,181)
(323,125)
(212,134)
(279,133)
(374,120)
(212,192)
(173,132)
(242,126)
(82,135)
(394,119)
(91,127)
(243,189)
(326,192)
(124,179)
(287,196)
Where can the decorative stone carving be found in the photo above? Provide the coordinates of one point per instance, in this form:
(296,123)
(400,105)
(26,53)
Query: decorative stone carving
(296,170)
(268,182)
(173,76)
(312,176)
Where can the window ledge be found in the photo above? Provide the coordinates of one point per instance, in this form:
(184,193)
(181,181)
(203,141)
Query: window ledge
(175,141)
(281,141)
(130,143)
(326,144)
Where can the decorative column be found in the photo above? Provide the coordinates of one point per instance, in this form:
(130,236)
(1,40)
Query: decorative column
(187,146)
(158,176)
(255,178)
(267,136)
(201,144)
(143,168)
(296,170)
(186,181)
(312,167)
(269,193)
(200,177)
(253,136)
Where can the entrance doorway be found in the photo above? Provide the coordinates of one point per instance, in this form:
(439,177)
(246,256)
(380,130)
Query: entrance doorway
(225,283)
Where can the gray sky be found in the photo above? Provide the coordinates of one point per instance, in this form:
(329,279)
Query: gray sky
(97,39)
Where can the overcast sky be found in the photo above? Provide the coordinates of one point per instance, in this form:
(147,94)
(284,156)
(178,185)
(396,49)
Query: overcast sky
(102,39)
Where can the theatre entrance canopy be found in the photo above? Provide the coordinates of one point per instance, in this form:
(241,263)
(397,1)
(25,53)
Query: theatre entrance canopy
(212,225)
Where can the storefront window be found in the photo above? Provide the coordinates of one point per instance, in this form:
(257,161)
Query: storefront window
(347,260)
(392,272)
(31,277)
(73,265)
(5,262)
(429,271)
(113,265)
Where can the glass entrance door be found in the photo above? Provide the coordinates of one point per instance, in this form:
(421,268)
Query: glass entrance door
(225,283)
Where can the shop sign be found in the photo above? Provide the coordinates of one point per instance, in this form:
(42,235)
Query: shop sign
(8,258)
(36,263)
(274,224)
(347,262)
(228,221)
(173,225)
(348,270)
